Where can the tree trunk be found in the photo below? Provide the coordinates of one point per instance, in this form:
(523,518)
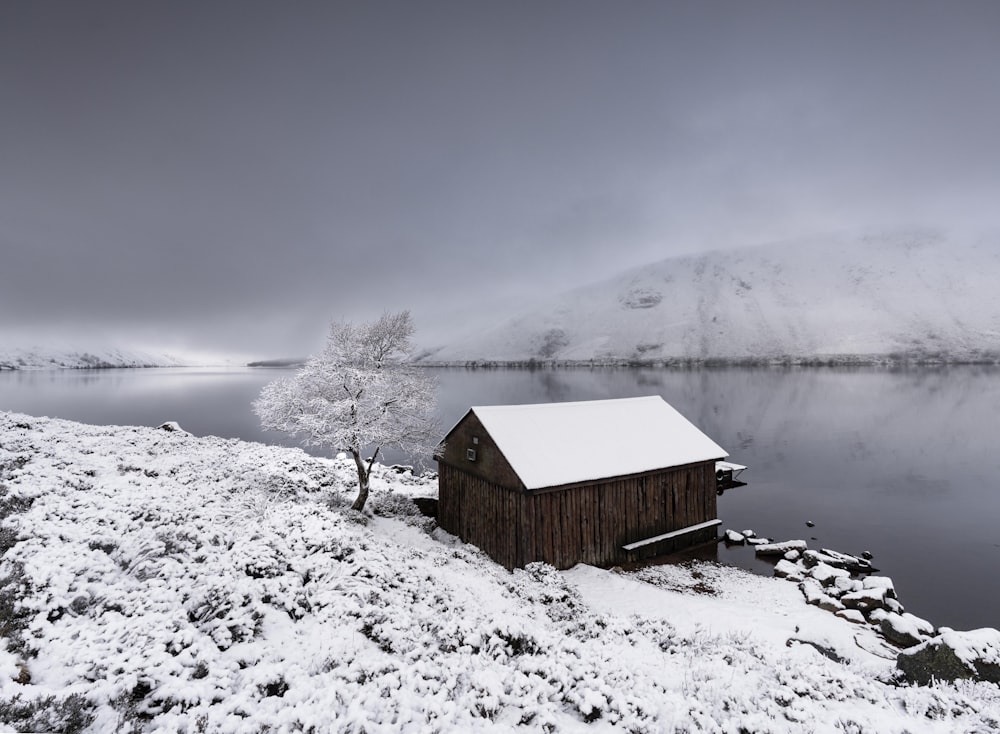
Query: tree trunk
(359,503)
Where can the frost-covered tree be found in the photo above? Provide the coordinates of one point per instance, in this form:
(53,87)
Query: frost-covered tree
(360,391)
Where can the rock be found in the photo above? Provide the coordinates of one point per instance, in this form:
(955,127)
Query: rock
(845,584)
(757,541)
(893,605)
(905,630)
(173,427)
(875,616)
(826,574)
(823,647)
(830,604)
(748,533)
(867,555)
(785,569)
(845,560)
(852,615)
(779,549)
(735,538)
(813,557)
(810,524)
(815,595)
(812,591)
(864,600)
(953,655)
(792,555)
(881,582)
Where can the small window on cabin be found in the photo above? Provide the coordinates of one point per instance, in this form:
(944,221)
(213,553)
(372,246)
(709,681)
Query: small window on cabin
(475,440)
(470,454)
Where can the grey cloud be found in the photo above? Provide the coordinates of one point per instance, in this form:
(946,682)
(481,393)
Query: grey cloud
(232,175)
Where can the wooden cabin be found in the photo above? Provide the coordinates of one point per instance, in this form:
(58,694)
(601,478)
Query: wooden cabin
(602,482)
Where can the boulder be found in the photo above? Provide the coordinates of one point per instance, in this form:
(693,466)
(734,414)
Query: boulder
(893,605)
(830,604)
(757,541)
(854,564)
(780,549)
(173,427)
(852,615)
(845,584)
(787,570)
(904,630)
(881,582)
(865,600)
(953,655)
(735,538)
(827,574)
(816,595)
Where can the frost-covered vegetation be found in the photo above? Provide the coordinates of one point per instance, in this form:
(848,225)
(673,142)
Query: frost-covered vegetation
(43,358)
(156,581)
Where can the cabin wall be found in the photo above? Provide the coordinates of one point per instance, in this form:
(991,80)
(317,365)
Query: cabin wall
(490,464)
(590,523)
(482,513)
(585,523)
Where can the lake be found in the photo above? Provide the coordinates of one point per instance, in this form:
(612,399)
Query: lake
(899,462)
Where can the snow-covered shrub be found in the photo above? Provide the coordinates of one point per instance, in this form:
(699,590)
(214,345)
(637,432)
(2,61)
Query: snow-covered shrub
(66,715)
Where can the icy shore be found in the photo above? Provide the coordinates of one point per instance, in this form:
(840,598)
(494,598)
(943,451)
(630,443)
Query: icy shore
(171,583)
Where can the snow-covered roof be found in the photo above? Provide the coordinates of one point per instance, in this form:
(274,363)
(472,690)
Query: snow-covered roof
(550,444)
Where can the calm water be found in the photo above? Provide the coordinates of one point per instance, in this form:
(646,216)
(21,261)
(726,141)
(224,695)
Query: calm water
(901,463)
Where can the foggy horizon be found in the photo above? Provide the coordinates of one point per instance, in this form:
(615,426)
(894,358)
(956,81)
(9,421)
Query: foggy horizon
(228,178)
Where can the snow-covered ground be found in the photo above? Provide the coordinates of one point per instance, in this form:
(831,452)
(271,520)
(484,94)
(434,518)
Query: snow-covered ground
(42,358)
(157,581)
(904,296)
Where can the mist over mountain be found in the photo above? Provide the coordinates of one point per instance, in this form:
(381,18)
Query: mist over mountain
(72,357)
(912,296)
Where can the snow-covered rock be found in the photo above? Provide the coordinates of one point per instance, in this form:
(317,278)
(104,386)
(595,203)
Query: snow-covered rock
(734,537)
(788,570)
(953,655)
(780,549)
(881,582)
(827,574)
(904,630)
(864,600)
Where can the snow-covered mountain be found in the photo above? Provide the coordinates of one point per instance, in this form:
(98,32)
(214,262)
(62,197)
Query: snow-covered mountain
(912,296)
(40,358)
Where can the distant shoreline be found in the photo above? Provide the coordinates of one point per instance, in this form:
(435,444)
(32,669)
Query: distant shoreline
(852,360)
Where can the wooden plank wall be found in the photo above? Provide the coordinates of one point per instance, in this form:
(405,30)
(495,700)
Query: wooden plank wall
(481,513)
(582,524)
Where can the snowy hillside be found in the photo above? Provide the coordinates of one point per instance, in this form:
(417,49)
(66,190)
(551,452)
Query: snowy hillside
(41,358)
(155,581)
(918,296)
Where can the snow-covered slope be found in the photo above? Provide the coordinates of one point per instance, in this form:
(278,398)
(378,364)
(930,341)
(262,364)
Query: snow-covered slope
(910,296)
(41,358)
(154,581)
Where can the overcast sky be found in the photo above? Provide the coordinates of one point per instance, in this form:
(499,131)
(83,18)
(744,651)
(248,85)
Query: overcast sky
(229,176)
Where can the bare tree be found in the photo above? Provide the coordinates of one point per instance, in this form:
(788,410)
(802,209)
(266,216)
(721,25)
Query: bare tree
(360,391)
